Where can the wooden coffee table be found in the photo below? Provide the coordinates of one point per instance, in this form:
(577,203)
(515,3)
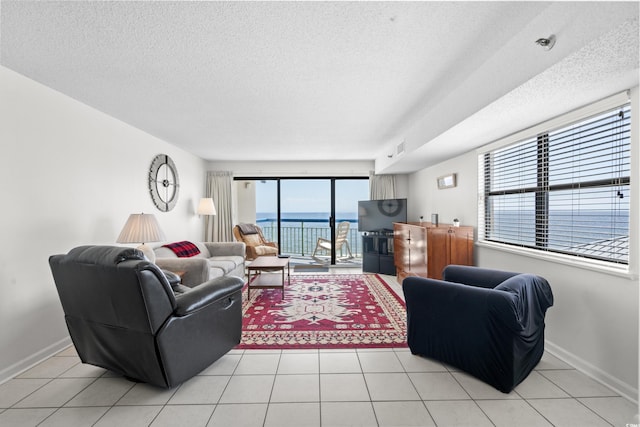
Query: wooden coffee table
(257,280)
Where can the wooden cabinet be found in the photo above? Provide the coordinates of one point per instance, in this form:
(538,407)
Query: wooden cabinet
(448,245)
(410,242)
(424,249)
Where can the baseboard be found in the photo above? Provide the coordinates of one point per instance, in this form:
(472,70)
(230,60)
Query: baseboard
(624,389)
(21,366)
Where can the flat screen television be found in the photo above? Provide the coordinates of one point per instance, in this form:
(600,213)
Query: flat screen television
(378,216)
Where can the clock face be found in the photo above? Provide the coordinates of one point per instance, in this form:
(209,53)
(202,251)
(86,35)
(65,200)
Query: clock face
(164,183)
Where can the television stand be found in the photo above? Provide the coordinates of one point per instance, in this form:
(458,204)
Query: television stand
(377,253)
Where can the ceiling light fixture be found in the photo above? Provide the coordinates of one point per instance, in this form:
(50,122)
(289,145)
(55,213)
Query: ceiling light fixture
(547,43)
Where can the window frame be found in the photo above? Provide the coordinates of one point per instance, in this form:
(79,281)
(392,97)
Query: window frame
(542,189)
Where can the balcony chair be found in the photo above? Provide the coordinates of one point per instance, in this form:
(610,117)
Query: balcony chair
(324,245)
(253,238)
(122,315)
(489,323)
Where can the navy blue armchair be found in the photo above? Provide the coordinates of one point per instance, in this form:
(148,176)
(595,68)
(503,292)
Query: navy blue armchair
(489,323)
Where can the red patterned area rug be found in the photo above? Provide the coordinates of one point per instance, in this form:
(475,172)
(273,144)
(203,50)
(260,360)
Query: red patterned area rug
(324,311)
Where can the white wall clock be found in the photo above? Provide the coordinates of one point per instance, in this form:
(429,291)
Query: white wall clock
(164,183)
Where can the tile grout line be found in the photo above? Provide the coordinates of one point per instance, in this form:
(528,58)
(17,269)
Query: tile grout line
(415,389)
(571,396)
(534,408)
(70,399)
(273,385)
(366,384)
(319,391)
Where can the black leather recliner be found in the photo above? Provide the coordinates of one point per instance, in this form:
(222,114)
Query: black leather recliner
(489,323)
(122,315)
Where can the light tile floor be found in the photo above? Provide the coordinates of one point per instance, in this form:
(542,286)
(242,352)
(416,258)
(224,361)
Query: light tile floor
(371,387)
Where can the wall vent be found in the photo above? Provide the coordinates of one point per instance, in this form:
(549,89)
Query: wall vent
(400,149)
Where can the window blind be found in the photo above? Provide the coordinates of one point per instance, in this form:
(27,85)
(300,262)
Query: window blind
(564,190)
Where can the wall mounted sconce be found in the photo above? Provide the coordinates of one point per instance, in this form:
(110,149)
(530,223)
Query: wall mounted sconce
(206,207)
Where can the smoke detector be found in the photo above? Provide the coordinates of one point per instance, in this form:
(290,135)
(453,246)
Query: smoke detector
(546,43)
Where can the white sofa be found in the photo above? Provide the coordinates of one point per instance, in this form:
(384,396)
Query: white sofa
(216,259)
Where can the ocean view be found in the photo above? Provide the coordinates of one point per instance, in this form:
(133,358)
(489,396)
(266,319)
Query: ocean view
(567,231)
(579,232)
(300,230)
(318,217)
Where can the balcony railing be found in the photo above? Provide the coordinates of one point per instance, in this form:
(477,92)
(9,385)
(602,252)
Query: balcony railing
(299,235)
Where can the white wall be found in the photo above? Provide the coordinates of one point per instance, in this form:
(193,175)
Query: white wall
(594,321)
(458,202)
(245,192)
(71,176)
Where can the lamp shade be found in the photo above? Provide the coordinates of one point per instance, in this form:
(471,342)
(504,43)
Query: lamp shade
(206,207)
(141,228)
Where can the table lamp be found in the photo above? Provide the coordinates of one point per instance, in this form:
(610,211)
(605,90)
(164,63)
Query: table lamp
(142,228)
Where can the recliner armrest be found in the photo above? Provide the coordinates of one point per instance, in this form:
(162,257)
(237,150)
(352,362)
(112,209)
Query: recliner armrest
(207,293)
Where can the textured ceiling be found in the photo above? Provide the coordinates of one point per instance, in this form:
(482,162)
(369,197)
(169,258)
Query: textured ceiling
(325,80)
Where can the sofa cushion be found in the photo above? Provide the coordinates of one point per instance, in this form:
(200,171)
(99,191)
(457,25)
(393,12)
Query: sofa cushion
(252,239)
(162,252)
(204,252)
(226,263)
(266,250)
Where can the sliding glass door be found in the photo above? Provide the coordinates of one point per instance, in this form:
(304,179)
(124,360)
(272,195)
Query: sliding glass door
(305,206)
(346,194)
(313,219)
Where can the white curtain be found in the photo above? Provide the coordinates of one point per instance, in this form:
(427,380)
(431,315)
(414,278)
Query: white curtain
(219,227)
(382,186)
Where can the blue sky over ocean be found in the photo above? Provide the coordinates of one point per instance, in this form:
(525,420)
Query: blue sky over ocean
(311,195)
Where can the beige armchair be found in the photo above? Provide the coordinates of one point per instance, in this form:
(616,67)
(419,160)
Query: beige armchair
(251,235)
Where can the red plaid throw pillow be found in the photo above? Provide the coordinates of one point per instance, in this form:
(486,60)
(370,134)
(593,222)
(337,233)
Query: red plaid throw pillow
(183,249)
